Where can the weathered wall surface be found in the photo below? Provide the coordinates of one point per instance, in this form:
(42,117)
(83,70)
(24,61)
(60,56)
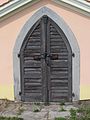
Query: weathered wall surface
(10,28)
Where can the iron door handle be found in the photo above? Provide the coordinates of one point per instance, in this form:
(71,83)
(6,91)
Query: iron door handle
(48,60)
(51,57)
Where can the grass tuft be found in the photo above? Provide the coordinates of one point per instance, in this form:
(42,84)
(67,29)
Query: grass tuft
(60,118)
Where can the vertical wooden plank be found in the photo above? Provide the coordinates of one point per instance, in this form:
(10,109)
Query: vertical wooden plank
(48,61)
(43,63)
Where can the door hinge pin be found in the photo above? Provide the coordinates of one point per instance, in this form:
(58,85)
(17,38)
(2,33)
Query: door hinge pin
(73,95)
(20,93)
(73,55)
(19,55)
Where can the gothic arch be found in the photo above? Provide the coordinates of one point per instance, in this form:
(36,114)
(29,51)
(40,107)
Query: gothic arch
(72,41)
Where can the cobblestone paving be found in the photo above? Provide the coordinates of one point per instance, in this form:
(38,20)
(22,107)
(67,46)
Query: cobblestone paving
(27,110)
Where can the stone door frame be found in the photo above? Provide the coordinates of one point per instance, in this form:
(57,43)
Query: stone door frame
(72,41)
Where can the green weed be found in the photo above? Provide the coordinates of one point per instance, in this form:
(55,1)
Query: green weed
(62,109)
(62,103)
(60,118)
(36,108)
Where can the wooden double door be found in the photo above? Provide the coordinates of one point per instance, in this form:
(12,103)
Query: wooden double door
(46,64)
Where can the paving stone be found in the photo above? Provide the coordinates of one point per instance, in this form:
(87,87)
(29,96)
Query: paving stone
(52,114)
(46,113)
(68,107)
(28,115)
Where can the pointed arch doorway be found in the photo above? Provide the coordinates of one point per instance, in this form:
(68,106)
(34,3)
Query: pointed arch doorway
(46,63)
(45,68)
